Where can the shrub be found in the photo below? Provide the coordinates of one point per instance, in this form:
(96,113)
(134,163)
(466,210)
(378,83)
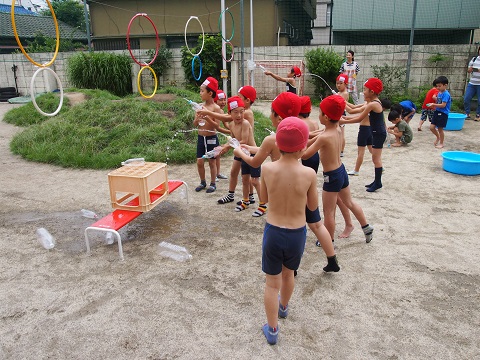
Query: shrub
(211,61)
(393,79)
(162,62)
(324,63)
(101,70)
(42,44)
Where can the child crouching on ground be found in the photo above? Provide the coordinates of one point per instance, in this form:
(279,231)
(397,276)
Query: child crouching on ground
(285,231)
(401,130)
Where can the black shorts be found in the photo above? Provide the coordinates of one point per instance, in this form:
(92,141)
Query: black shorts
(312,162)
(282,246)
(378,138)
(364,137)
(206,144)
(439,119)
(254,172)
(312,217)
(335,180)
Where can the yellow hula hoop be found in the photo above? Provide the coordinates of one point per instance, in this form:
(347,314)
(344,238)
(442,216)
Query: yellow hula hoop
(138,82)
(57,34)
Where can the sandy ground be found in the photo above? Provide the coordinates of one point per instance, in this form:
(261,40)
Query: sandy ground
(412,293)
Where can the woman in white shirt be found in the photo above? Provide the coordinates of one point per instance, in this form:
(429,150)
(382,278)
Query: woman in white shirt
(351,68)
(473,86)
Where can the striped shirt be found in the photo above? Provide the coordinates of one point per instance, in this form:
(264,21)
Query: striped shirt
(475,75)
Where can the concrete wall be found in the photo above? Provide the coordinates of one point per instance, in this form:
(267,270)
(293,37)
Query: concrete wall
(423,72)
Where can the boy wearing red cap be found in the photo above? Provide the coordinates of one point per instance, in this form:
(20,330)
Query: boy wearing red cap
(334,174)
(289,80)
(341,84)
(242,131)
(285,232)
(374,110)
(221,100)
(283,106)
(207,137)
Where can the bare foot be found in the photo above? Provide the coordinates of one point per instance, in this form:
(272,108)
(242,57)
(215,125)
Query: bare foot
(396,145)
(419,129)
(439,146)
(436,142)
(346,232)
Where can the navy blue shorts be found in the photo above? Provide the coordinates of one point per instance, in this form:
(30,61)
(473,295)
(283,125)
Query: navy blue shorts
(378,139)
(335,180)
(439,119)
(364,136)
(254,172)
(205,144)
(312,216)
(312,162)
(282,247)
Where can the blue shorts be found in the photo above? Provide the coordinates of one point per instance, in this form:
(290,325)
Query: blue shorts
(378,139)
(364,136)
(312,217)
(439,119)
(205,144)
(254,172)
(313,162)
(427,113)
(335,180)
(282,247)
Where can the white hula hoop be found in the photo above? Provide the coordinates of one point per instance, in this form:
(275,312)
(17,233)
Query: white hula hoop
(203,35)
(32,91)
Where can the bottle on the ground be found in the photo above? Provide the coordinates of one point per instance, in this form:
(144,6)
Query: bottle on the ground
(45,238)
(172,251)
(88,214)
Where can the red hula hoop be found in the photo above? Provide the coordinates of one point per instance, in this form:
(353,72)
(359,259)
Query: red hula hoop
(156,35)
(233,52)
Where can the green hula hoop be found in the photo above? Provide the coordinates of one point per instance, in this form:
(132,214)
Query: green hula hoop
(220,25)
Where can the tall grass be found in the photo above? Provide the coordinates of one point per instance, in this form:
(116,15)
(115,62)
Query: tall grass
(101,70)
(100,133)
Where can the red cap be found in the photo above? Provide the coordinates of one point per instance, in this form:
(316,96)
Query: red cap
(220,95)
(343,78)
(292,134)
(235,102)
(211,83)
(375,85)
(333,106)
(287,104)
(297,71)
(306,105)
(249,92)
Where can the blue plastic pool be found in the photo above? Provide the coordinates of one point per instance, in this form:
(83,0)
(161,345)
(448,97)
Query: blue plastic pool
(461,162)
(455,121)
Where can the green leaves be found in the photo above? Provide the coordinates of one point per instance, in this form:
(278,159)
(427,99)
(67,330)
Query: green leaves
(324,63)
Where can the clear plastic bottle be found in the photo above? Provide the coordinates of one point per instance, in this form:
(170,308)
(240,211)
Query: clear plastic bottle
(196,106)
(109,239)
(172,251)
(88,214)
(234,143)
(45,239)
(213,153)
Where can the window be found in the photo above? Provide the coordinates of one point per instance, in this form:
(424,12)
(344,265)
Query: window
(329,14)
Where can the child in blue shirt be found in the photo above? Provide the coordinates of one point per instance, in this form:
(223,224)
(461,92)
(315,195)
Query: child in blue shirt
(408,110)
(442,109)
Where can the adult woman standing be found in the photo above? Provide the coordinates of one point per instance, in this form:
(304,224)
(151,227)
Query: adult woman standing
(351,68)
(473,86)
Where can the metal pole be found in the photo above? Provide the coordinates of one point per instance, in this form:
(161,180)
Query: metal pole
(87,25)
(410,47)
(331,24)
(224,50)
(252,80)
(242,44)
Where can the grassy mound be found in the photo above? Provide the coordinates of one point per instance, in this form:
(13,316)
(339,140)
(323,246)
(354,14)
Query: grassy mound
(105,130)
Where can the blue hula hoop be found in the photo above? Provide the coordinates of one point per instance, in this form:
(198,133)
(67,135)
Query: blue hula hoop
(193,67)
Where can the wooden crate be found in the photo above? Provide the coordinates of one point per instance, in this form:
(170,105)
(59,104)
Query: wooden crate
(138,187)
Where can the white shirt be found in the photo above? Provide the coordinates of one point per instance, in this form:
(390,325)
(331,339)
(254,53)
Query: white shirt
(475,75)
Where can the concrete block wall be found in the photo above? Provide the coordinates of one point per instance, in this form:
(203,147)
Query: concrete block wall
(422,73)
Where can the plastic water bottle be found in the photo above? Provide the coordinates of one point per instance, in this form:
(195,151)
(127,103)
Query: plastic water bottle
(213,153)
(109,239)
(172,251)
(234,143)
(45,239)
(196,106)
(88,214)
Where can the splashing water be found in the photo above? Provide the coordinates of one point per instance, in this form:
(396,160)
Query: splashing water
(333,91)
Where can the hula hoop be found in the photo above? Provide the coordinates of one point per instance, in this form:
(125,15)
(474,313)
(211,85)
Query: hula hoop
(193,67)
(156,35)
(220,25)
(138,81)
(203,36)
(57,35)
(32,91)
(231,57)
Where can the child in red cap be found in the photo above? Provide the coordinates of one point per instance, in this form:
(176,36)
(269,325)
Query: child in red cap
(374,110)
(285,232)
(289,80)
(283,106)
(221,101)
(334,174)
(341,84)
(207,134)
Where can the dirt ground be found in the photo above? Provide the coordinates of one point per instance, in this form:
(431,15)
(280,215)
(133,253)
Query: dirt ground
(412,293)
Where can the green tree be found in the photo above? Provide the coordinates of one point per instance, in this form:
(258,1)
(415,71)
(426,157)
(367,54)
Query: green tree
(70,12)
(323,63)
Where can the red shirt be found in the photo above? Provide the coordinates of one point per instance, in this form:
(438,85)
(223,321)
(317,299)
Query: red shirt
(429,98)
